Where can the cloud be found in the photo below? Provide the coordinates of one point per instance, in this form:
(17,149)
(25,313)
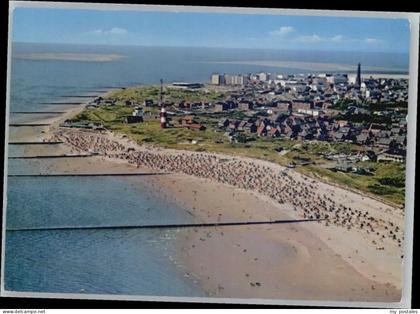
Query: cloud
(96,32)
(337,38)
(283,31)
(372,41)
(314,38)
(112,31)
(117,31)
(310,39)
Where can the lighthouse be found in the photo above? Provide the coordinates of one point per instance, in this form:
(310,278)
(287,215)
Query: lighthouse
(162,107)
(163,117)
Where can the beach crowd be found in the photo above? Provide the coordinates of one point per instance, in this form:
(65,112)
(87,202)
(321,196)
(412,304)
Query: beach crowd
(301,192)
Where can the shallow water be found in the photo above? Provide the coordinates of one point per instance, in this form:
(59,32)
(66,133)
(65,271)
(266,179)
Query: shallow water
(95,261)
(129,261)
(88,201)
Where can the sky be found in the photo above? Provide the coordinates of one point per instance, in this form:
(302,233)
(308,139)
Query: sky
(84,26)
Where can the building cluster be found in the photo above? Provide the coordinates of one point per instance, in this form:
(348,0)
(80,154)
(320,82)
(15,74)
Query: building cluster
(309,108)
(308,127)
(333,107)
(319,88)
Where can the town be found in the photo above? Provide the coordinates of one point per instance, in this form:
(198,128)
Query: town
(365,118)
(326,107)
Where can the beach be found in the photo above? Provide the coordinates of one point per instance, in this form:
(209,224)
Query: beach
(335,259)
(273,261)
(84,57)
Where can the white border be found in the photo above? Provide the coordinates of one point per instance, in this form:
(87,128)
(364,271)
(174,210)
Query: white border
(410,163)
(6,151)
(207,9)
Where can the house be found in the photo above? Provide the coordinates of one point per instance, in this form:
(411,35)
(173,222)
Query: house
(375,128)
(250,127)
(194,126)
(274,132)
(342,123)
(345,130)
(229,135)
(283,106)
(384,142)
(384,134)
(401,140)
(241,125)
(326,105)
(369,155)
(395,131)
(148,102)
(362,139)
(245,105)
(187,120)
(224,122)
(302,105)
(339,137)
(220,106)
(343,168)
(262,129)
(233,125)
(391,157)
(132,119)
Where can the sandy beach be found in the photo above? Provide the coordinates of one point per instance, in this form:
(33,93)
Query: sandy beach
(274,261)
(86,57)
(368,259)
(331,260)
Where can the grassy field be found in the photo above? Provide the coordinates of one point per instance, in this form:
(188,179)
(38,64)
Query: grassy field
(388,181)
(170,95)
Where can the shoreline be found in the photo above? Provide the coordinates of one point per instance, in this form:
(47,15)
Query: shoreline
(230,261)
(382,277)
(383,266)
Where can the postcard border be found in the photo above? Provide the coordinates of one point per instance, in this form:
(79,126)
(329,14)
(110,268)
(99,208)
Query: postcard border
(413,19)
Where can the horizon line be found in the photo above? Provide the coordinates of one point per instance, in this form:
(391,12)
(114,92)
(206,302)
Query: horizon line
(208,47)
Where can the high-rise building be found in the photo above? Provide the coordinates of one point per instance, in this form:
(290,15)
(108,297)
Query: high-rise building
(238,79)
(229,79)
(263,76)
(359,76)
(215,79)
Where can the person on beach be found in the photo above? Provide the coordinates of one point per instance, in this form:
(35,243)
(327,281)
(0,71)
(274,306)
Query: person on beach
(303,194)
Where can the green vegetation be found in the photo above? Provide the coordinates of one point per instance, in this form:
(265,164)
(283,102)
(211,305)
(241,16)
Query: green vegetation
(107,115)
(387,181)
(365,118)
(171,95)
(382,106)
(342,104)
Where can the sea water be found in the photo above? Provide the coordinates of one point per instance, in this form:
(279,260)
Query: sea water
(111,261)
(107,261)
